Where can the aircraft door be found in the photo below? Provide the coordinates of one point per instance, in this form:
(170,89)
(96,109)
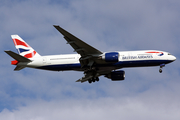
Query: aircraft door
(44,61)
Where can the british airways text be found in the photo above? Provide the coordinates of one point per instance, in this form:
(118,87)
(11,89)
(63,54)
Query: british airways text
(137,57)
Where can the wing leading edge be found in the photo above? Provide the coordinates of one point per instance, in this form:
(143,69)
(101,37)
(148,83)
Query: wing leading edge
(88,54)
(79,46)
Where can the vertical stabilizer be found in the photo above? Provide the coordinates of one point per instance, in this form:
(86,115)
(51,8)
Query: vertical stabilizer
(23,48)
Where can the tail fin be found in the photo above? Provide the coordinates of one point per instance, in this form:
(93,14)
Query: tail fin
(23,48)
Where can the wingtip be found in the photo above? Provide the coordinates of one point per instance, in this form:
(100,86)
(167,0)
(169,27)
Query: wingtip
(56,25)
(6,51)
(78,80)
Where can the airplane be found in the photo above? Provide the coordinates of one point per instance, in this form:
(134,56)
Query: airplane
(93,62)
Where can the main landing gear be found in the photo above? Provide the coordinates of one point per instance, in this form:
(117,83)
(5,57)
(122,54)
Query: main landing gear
(92,75)
(93,80)
(161,66)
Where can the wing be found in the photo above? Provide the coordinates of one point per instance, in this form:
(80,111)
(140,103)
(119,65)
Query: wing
(84,79)
(89,55)
(86,51)
(93,75)
(79,46)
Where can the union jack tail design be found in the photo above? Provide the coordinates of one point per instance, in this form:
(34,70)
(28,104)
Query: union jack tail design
(23,48)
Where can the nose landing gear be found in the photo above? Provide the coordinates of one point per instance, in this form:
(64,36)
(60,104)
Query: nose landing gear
(160,70)
(161,66)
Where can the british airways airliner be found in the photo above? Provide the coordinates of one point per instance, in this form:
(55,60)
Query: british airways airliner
(90,60)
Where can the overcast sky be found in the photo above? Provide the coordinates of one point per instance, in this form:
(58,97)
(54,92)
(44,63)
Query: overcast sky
(108,25)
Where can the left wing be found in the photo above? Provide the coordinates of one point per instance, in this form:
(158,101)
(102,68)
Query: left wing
(79,46)
(86,51)
(89,55)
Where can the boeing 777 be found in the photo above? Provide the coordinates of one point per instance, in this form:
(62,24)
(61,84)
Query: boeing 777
(90,60)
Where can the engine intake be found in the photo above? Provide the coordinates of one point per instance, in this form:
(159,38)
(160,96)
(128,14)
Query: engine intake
(111,57)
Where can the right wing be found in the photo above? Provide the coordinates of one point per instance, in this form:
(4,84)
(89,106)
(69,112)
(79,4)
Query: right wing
(84,79)
(89,76)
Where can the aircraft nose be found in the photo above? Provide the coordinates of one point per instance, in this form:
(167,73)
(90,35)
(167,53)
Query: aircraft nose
(173,58)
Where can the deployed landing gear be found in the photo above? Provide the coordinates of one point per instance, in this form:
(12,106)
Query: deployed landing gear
(93,80)
(90,81)
(97,79)
(161,66)
(92,75)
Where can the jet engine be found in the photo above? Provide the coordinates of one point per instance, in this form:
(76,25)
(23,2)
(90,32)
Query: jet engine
(116,75)
(111,57)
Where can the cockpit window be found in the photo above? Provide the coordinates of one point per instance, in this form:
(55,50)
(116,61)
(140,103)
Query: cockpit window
(169,54)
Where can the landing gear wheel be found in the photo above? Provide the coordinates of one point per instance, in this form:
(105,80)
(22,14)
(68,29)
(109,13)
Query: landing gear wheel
(93,80)
(97,79)
(161,66)
(90,81)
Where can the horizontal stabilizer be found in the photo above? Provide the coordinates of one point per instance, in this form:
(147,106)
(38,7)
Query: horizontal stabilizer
(17,56)
(18,68)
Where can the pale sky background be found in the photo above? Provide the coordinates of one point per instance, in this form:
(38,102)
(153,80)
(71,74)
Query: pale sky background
(108,25)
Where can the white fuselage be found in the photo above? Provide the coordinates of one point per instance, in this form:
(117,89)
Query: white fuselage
(126,59)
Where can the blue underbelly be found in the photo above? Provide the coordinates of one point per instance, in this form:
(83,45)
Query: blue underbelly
(121,64)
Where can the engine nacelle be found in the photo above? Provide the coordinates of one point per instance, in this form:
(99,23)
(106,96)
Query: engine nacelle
(111,57)
(116,75)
